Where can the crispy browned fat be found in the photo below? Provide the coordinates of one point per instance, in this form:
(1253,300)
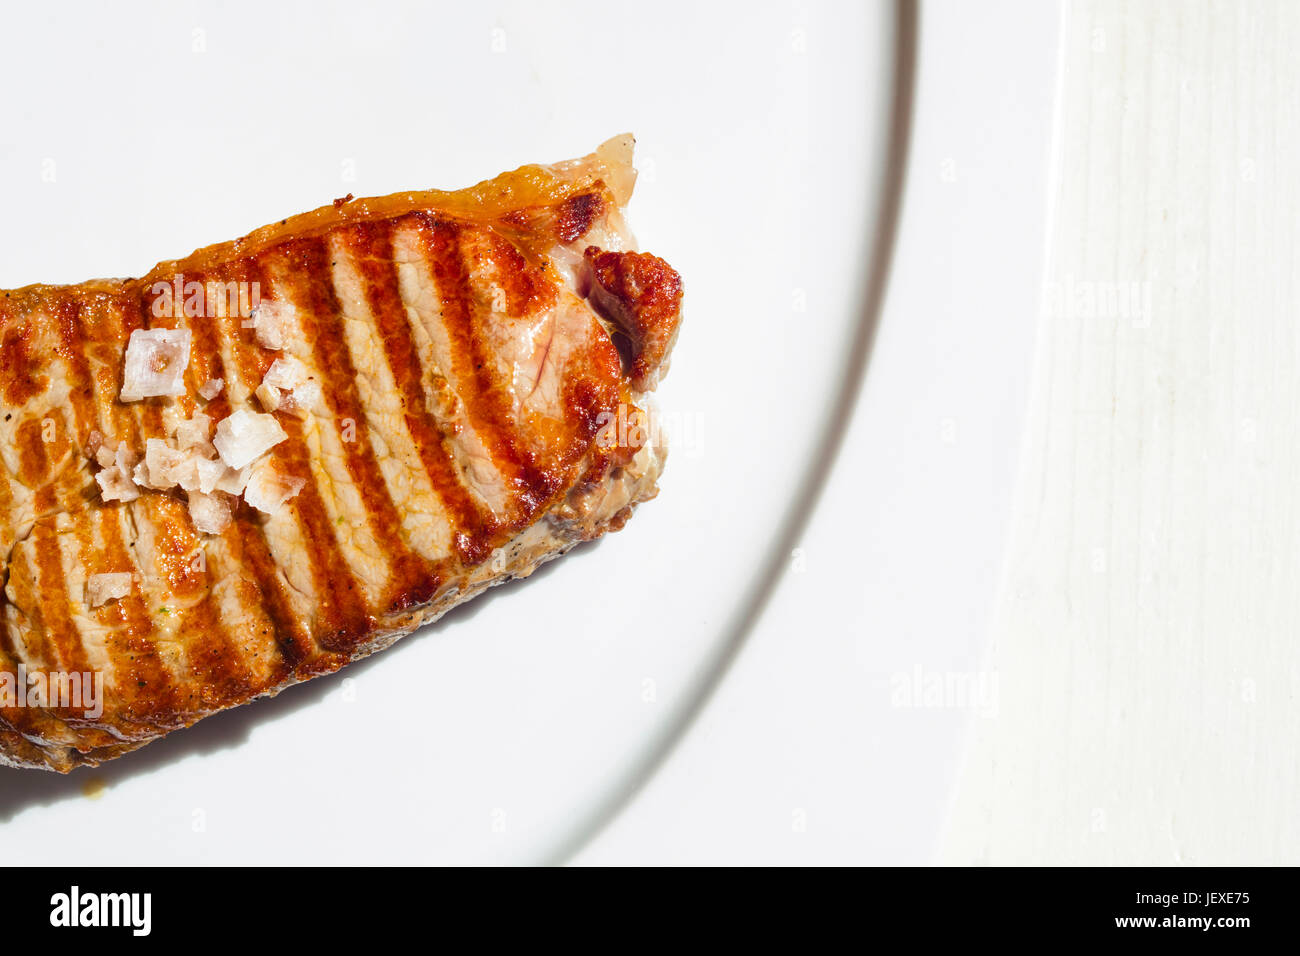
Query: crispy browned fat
(478,353)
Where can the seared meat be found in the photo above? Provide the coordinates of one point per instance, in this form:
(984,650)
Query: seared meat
(463,356)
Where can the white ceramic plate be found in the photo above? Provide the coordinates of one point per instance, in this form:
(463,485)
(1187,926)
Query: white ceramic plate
(508,731)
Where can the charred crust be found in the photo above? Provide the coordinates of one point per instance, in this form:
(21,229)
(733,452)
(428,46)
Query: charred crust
(565,484)
(577,215)
(642,295)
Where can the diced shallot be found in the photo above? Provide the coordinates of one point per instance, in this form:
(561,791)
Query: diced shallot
(269,396)
(163,465)
(245,436)
(115,478)
(155,363)
(285,374)
(193,433)
(102,588)
(270,321)
(268,489)
(210,513)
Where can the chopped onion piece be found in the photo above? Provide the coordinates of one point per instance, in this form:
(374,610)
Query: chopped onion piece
(199,473)
(232,481)
(193,433)
(187,473)
(245,436)
(210,471)
(269,396)
(268,489)
(114,485)
(270,321)
(155,363)
(285,373)
(302,400)
(164,465)
(102,588)
(210,513)
(114,478)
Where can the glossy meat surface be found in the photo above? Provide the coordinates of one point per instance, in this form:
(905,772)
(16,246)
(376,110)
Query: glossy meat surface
(469,348)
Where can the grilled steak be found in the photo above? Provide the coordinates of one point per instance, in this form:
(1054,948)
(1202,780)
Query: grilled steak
(448,379)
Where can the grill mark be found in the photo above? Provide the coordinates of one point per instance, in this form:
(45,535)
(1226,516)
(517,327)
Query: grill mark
(341,616)
(35,468)
(526,286)
(590,372)
(474,362)
(50,470)
(71,348)
(24,720)
(213,652)
(410,579)
(172,539)
(7,516)
(485,484)
(42,723)
(22,579)
(34,465)
(132,645)
(48,597)
(175,547)
(133,422)
(149,411)
(218,661)
(249,361)
(144,690)
(340,613)
(218,666)
(22,372)
(61,632)
(85,732)
(8,513)
(74,340)
(474,525)
(117,420)
(577,214)
(206,352)
(580,365)
(206,360)
(294,641)
(14,715)
(426,522)
(86,558)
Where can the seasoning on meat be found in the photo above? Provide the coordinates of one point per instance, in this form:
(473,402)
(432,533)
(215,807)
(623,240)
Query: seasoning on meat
(459,384)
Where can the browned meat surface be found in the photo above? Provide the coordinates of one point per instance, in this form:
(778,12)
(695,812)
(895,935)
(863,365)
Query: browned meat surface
(467,351)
